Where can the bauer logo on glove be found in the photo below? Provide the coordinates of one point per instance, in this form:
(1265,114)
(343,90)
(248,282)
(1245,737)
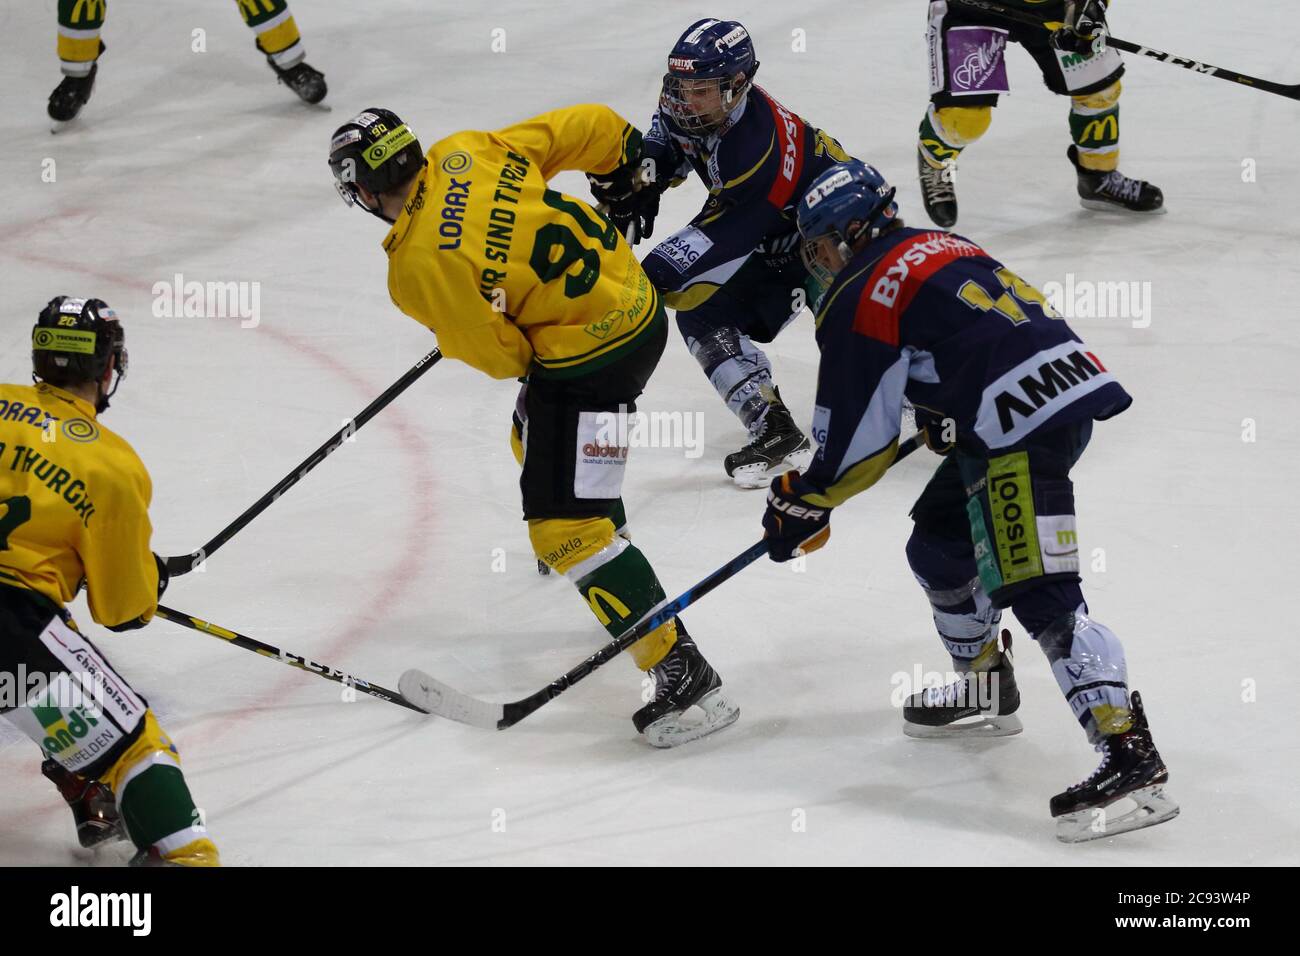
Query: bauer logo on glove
(791,525)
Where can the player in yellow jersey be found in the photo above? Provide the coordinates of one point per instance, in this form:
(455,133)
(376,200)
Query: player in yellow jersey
(274,31)
(74,510)
(523,282)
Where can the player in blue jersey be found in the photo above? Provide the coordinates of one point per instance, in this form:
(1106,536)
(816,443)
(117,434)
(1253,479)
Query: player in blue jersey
(733,274)
(1007,391)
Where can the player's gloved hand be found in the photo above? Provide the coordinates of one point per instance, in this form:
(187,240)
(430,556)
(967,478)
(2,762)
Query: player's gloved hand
(164,576)
(1084,28)
(939,434)
(628,199)
(792,526)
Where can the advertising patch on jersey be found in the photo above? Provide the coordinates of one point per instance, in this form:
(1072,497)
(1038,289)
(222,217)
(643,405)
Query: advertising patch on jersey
(1022,399)
(821,426)
(1058,540)
(1084,70)
(899,276)
(683,248)
(601,455)
(977,61)
(789,140)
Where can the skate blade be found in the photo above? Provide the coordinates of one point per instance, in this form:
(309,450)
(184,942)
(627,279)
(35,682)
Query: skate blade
(1103,206)
(1003,725)
(673,730)
(58,126)
(1150,806)
(760,476)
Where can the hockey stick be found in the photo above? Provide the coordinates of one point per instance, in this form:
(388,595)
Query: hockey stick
(184,563)
(1268,86)
(293,660)
(434,696)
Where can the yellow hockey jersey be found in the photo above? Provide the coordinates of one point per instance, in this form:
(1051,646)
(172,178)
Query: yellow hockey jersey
(515,277)
(74,504)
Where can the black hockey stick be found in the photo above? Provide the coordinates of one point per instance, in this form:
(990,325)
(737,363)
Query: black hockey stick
(293,660)
(184,563)
(1268,86)
(432,695)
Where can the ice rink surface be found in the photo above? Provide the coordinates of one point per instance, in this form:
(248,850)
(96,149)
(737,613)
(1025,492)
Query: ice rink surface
(390,554)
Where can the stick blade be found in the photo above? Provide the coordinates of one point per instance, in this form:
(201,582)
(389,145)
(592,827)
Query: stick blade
(430,694)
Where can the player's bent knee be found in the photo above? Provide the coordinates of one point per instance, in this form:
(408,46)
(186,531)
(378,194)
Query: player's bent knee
(1102,99)
(962,125)
(569,544)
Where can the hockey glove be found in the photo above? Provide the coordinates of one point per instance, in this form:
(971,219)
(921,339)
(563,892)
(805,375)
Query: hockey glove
(628,200)
(791,526)
(939,434)
(1084,28)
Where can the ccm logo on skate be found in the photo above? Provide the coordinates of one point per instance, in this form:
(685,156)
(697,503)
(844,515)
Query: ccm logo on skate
(792,509)
(74,908)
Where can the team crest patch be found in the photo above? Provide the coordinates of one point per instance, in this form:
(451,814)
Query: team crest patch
(80,430)
(457,163)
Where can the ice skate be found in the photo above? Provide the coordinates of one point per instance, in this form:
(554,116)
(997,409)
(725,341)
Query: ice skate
(1114,190)
(778,447)
(1127,792)
(977,705)
(684,680)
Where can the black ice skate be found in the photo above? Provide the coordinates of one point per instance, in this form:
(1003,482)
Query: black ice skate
(778,447)
(92,803)
(977,705)
(938,194)
(1114,190)
(308,83)
(684,679)
(1125,793)
(72,93)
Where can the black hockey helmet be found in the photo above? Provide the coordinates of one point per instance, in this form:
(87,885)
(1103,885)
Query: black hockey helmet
(374,149)
(74,340)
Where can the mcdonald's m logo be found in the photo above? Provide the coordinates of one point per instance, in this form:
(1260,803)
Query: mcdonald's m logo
(1097,130)
(602,603)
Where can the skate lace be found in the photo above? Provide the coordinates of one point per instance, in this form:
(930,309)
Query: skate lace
(938,187)
(944,696)
(1121,187)
(667,673)
(1101,770)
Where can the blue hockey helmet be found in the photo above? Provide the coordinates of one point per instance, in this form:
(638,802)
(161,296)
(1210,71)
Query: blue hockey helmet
(710,69)
(846,202)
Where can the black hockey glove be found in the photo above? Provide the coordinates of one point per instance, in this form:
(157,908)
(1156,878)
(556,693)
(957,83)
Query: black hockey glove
(791,526)
(628,199)
(939,434)
(1084,28)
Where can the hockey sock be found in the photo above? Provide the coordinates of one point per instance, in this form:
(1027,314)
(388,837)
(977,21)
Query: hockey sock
(277,34)
(611,574)
(79,26)
(964,616)
(737,369)
(155,802)
(1094,127)
(1087,658)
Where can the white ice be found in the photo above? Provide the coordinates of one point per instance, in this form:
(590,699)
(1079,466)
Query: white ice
(197,163)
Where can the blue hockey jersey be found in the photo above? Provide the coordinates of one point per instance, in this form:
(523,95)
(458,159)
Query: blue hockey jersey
(757,166)
(931,317)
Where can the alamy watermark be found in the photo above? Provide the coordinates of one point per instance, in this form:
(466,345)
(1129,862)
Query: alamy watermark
(208,300)
(1085,299)
(656,429)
